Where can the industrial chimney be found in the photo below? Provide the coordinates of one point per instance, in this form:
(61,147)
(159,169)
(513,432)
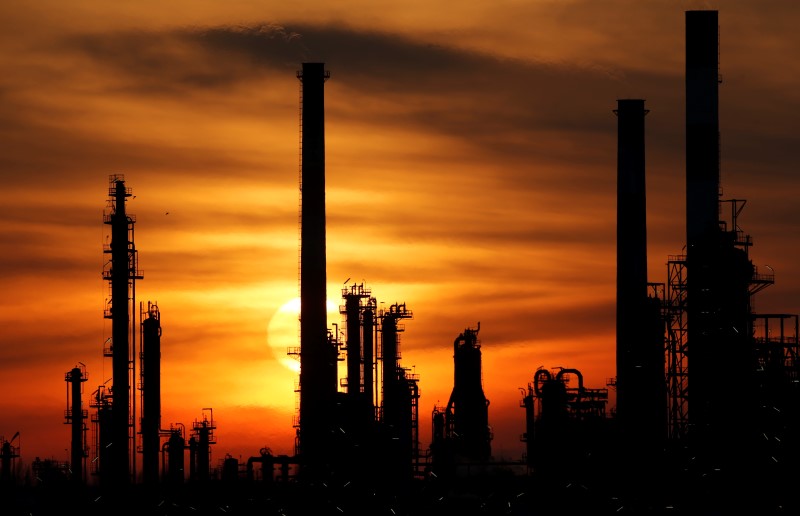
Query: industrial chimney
(702,126)
(318,356)
(631,244)
(640,385)
(719,272)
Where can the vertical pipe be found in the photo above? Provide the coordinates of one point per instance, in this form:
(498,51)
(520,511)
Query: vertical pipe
(317,355)
(120,413)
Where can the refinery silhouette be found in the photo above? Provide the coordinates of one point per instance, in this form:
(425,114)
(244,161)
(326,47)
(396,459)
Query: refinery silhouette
(707,390)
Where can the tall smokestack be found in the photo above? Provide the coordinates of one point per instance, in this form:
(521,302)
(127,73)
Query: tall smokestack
(702,126)
(718,270)
(631,245)
(318,368)
(641,389)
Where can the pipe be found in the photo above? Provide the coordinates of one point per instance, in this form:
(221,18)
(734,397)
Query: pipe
(536,380)
(580,380)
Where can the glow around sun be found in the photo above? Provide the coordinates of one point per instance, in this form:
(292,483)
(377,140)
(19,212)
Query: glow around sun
(283,331)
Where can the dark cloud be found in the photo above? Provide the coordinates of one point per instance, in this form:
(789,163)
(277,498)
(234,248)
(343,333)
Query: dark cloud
(521,112)
(25,350)
(488,100)
(64,156)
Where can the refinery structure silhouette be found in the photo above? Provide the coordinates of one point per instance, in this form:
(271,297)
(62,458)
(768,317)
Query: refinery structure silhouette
(679,439)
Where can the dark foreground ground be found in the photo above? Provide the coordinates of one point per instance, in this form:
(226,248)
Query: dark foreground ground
(705,493)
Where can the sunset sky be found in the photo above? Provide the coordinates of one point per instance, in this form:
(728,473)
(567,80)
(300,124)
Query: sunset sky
(471,174)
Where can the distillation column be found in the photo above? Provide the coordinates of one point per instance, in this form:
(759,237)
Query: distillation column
(398,400)
(151,394)
(359,358)
(368,325)
(121,275)
(76,417)
(318,357)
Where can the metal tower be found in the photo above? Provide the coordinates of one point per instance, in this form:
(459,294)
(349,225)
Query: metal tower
(76,417)
(150,378)
(121,271)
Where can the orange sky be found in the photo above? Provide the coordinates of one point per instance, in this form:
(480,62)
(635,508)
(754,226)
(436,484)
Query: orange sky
(471,173)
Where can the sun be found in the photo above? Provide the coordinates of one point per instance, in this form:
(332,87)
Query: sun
(283,331)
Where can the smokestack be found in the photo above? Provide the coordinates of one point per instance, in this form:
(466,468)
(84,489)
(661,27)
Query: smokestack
(702,126)
(719,273)
(631,244)
(318,367)
(640,385)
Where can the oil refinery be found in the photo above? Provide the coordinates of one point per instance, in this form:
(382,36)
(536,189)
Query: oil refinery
(707,391)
